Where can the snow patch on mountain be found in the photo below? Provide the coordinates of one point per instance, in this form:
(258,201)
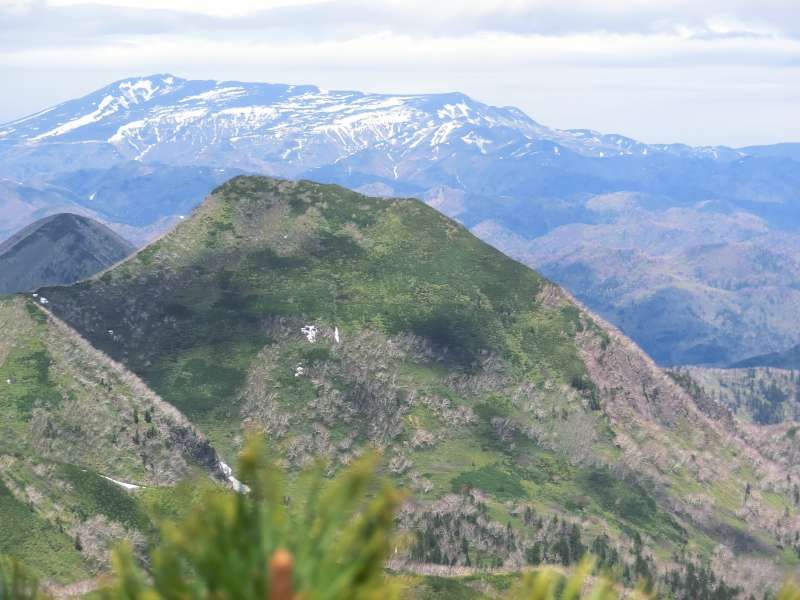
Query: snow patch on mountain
(216,94)
(237,485)
(105,108)
(122,484)
(453,111)
(474,139)
(137,91)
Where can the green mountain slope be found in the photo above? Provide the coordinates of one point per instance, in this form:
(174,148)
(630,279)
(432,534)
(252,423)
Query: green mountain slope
(74,426)
(58,249)
(526,429)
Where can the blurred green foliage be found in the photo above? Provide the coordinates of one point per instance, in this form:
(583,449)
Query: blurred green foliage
(339,537)
(17,583)
(334,543)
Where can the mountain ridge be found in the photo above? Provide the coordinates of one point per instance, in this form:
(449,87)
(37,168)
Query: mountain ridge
(520,185)
(79,434)
(787,359)
(59,249)
(327,321)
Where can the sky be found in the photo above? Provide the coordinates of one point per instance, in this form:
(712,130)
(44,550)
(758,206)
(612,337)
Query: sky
(695,71)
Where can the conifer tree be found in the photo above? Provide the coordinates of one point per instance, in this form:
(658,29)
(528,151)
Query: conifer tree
(335,543)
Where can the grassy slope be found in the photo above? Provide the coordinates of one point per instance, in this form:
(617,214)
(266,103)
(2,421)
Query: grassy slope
(45,507)
(64,401)
(68,415)
(187,311)
(29,537)
(451,357)
(473,587)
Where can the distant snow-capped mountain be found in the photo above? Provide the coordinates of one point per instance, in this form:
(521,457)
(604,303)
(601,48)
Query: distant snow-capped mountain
(287,130)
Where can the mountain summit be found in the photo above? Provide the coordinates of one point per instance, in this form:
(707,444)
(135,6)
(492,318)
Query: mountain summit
(60,249)
(332,322)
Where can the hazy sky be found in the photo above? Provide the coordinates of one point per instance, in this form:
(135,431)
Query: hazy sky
(696,71)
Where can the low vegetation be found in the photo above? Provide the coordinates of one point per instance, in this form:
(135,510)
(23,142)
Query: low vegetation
(73,425)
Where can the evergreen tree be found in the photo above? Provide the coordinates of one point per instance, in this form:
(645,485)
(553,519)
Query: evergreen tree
(533,555)
(576,547)
(335,543)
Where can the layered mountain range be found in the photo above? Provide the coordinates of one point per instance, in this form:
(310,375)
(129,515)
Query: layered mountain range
(292,129)
(693,251)
(525,428)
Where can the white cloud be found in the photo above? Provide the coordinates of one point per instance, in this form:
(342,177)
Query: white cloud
(208,7)
(385,49)
(646,68)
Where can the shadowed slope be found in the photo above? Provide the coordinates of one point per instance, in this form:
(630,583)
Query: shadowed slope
(59,249)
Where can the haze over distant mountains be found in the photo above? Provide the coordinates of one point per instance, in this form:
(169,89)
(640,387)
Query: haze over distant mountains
(693,251)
